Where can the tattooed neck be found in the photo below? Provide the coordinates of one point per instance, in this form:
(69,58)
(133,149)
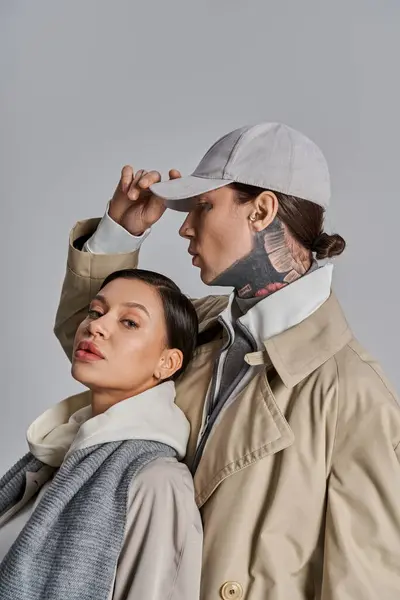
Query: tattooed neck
(276,260)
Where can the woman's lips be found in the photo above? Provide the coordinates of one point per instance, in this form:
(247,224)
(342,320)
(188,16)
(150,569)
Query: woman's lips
(88,352)
(87,356)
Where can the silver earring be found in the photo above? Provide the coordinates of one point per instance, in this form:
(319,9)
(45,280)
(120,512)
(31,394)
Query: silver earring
(253,217)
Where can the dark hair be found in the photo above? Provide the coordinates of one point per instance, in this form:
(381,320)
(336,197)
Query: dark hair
(180,315)
(304,219)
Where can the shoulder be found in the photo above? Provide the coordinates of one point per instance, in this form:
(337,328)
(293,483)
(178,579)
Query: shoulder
(355,364)
(355,396)
(354,376)
(166,483)
(361,377)
(163,473)
(367,403)
(209,307)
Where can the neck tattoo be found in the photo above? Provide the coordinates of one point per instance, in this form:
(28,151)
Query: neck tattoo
(276,260)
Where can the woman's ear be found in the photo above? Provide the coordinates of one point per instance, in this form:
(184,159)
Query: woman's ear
(263,210)
(170,362)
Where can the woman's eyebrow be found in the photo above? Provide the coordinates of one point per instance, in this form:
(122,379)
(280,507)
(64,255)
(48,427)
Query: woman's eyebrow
(102,299)
(137,305)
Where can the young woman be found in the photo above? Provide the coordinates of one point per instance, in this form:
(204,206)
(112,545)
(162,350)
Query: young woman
(102,506)
(295,431)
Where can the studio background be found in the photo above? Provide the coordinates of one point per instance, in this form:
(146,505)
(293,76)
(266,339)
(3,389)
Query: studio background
(89,86)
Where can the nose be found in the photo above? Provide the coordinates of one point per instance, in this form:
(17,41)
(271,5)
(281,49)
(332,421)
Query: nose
(187,229)
(98,328)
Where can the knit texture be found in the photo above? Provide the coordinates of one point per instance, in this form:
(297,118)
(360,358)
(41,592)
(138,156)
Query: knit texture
(12,484)
(69,548)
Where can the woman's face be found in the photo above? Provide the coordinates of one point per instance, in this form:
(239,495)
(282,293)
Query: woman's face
(121,346)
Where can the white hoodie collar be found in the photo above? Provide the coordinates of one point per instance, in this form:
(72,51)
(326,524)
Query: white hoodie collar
(289,306)
(69,426)
(286,308)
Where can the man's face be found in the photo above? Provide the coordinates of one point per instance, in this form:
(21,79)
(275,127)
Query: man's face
(219,232)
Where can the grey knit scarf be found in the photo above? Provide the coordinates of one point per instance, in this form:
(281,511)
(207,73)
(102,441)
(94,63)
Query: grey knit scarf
(69,548)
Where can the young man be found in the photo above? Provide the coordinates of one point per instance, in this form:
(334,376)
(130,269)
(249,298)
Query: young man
(295,431)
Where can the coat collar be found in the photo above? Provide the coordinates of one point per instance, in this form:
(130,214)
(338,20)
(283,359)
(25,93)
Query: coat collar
(301,349)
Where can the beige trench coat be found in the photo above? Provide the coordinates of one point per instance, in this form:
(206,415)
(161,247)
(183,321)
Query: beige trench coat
(299,484)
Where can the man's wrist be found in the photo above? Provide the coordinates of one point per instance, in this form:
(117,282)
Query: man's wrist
(111,238)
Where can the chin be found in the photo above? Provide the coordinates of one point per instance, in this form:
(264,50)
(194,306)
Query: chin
(206,277)
(81,373)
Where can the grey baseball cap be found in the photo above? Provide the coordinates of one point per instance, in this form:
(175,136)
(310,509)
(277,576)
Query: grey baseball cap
(271,156)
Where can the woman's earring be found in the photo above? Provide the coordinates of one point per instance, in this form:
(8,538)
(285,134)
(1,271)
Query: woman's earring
(253,217)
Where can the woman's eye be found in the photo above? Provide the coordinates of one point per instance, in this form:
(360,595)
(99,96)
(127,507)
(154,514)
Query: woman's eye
(130,324)
(94,314)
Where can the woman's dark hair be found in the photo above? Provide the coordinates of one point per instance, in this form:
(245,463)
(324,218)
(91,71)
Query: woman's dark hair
(180,315)
(304,219)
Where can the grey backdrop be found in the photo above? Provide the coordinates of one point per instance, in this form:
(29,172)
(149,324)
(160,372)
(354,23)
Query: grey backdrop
(87,86)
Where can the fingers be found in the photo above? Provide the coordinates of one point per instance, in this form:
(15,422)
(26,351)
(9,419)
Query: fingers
(174,174)
(131,183)
(126,177)
(133,190)
(142,181)
(149,179)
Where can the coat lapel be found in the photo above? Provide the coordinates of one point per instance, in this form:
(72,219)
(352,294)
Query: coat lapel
(252,427)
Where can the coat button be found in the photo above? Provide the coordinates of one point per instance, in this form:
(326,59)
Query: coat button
(231,590)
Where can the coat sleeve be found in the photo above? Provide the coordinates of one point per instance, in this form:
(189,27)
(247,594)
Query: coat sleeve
(161,555)
(84,275)
(362,531)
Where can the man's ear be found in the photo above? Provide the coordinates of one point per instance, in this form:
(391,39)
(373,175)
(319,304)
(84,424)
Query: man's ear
(263,210)
(170,362)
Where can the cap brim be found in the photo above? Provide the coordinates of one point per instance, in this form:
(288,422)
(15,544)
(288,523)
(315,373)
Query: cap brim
(179,193)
